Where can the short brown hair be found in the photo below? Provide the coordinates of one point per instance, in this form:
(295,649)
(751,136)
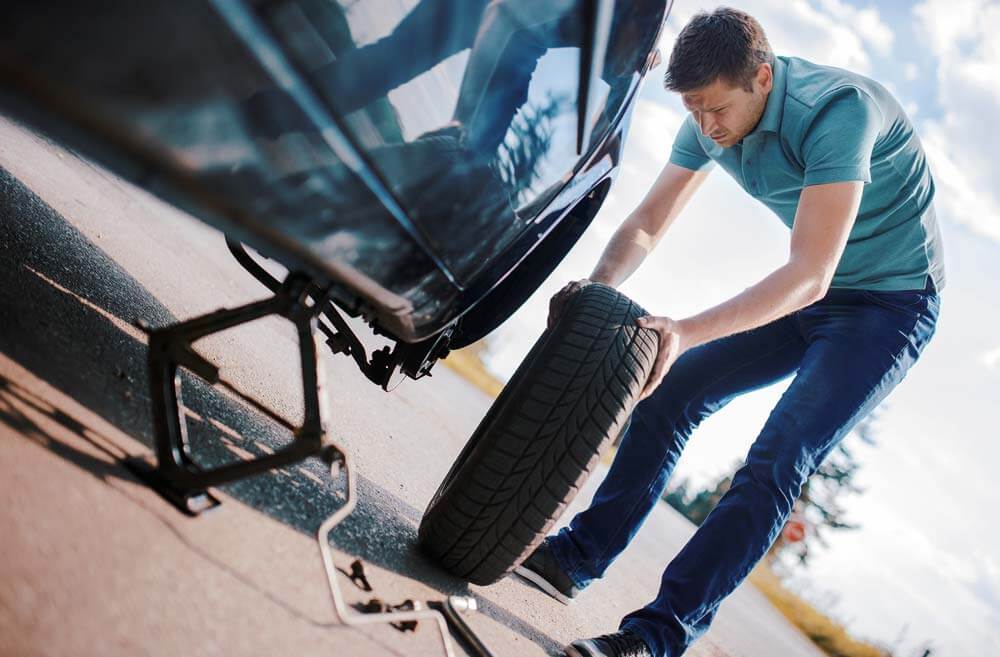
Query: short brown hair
(727,43)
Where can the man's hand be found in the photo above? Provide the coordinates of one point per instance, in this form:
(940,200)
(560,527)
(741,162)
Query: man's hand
(673,342)
(559,299)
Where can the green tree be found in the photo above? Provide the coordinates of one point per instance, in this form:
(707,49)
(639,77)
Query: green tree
(696,505)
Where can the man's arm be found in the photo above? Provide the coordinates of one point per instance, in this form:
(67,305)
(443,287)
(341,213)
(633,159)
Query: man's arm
(639,233)
(822,224)
(644,227)
(823,221)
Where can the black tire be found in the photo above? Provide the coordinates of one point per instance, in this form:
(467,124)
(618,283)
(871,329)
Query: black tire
(541,437)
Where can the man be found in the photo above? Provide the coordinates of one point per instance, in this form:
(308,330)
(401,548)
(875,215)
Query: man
(835,157)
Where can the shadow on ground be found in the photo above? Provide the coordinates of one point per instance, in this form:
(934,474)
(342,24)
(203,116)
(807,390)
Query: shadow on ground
(66,310)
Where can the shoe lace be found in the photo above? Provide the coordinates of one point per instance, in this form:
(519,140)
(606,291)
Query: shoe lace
(626,644)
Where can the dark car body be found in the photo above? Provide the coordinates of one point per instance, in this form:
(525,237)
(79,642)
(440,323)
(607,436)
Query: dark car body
(354,140)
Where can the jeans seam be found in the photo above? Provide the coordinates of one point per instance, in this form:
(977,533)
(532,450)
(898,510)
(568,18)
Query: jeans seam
(624,522)
(871,296)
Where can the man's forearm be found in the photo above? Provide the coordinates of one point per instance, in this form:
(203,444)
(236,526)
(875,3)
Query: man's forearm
(647,224)
(626,250)
(784,291)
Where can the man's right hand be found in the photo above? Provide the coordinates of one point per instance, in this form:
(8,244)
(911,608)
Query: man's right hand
(559,299)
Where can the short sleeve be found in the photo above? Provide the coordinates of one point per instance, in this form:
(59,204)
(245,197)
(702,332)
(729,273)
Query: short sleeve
(838,142)
(687,151)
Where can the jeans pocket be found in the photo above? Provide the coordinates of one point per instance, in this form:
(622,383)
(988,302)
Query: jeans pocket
(913,302)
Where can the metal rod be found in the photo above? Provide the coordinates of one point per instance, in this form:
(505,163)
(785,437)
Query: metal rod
(452,606)
(340,608)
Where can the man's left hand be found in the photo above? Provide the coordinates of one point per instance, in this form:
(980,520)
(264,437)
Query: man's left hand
(673,342)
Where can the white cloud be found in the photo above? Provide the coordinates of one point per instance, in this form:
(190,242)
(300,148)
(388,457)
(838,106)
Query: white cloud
(910,71)
(868,23)
(830,32)
(991,359)
(947,22)
(943,595)
(959,197)
(963,143)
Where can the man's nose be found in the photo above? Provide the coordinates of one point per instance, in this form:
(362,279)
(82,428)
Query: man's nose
(704,124)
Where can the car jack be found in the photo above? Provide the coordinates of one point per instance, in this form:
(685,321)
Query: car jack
(176,476)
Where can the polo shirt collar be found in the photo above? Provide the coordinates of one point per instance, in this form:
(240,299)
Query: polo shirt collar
(770,120)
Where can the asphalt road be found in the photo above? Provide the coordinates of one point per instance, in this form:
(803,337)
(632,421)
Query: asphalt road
(94,563)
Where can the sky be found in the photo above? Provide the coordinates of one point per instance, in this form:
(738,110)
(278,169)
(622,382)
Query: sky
(925,566)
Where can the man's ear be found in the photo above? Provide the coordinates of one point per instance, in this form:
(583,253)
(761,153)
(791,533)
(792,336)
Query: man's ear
(765,77)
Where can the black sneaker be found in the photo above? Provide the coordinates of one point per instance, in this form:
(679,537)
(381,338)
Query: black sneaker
(541,569)
(619,644)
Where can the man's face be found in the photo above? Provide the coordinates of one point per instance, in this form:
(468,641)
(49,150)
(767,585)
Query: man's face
(727,113)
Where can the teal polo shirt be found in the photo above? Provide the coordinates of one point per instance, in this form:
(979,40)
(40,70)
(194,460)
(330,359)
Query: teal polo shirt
(821,125)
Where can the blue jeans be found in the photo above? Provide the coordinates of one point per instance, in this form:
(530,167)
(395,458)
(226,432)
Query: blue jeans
(849,349)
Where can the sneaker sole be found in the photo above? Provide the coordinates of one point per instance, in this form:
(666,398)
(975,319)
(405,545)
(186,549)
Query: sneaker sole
(540,582)
(574,651)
